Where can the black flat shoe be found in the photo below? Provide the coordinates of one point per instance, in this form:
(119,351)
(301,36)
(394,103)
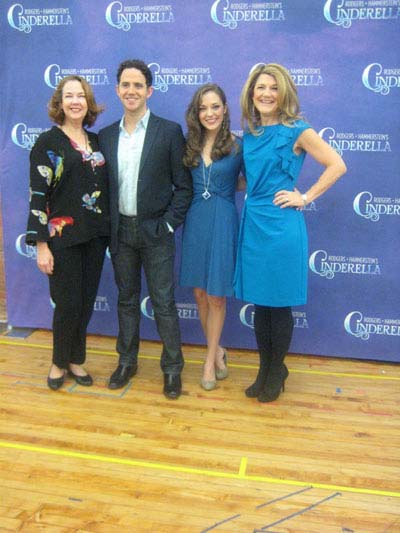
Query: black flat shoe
(86,381)
(121,375)
(172,386)
(55,383)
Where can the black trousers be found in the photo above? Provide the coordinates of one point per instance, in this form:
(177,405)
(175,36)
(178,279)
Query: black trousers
(157,259)
(73,289)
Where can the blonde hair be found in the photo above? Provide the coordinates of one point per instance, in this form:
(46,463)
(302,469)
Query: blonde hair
(288,103)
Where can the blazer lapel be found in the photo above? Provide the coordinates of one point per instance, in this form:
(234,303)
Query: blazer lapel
(113,140)
(151,133)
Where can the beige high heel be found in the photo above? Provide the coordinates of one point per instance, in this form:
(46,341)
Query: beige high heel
(222,373)
(208,385)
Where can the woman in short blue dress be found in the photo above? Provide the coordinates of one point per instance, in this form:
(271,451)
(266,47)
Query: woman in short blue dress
(209,244)
(271,269)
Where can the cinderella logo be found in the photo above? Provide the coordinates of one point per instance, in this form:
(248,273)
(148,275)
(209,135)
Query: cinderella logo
(353,325)
(52,75)
(187,311)
(229,14)
(23,136)
(343,12)
(363,327)
(223,16)
(371,208)
(23,19)
(380,80)
(14,17)
(115,17)
(246,315)
(95,76)
(300,319)
(355,142)
(328,134)
(24,249)
(317,263)
(101,304)
(307,77)
(327,266)
(122,17)
(163,77)
(146,308)
(312,206)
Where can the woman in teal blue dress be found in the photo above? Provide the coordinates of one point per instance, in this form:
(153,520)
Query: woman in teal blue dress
(210,232)
(271,270)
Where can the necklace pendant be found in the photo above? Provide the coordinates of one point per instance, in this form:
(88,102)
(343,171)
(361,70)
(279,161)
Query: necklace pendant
(206,195)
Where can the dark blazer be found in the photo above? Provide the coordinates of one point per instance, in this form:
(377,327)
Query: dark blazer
(164,189)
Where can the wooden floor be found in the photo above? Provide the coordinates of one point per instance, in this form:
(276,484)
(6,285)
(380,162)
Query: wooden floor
(323,458)
(3,311)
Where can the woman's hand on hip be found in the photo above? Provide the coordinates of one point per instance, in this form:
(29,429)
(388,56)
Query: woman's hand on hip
(289,199)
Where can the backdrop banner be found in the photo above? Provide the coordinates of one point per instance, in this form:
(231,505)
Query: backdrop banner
(344,60)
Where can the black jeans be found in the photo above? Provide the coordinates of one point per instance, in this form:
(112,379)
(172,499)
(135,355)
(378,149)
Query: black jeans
(157,258)
(73,289)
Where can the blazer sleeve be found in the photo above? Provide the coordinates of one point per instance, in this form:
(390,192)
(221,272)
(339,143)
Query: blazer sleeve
(181,180)
(41,177)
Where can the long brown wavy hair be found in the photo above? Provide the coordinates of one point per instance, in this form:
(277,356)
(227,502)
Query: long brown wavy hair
(196,135)
(54,106)
(288,103)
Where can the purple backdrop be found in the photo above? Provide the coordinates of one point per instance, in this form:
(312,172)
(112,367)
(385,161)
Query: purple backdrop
(345,61)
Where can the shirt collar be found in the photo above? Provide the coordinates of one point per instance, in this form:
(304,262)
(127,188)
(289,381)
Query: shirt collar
(141,124)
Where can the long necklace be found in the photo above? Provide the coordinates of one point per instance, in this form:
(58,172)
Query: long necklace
(206,195)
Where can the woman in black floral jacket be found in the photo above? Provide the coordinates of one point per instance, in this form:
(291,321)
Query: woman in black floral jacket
(69,221)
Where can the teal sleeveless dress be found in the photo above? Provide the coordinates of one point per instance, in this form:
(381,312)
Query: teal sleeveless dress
(211,227)
(271,267)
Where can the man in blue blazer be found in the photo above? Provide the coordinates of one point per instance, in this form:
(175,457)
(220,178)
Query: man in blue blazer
(150,192)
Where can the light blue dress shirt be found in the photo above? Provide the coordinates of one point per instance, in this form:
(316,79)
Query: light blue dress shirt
(130,147)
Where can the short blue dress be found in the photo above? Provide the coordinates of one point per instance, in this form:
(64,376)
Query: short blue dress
(271,268)
(209,243)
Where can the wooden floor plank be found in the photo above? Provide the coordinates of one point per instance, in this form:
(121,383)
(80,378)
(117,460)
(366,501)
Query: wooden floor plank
(323,458)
